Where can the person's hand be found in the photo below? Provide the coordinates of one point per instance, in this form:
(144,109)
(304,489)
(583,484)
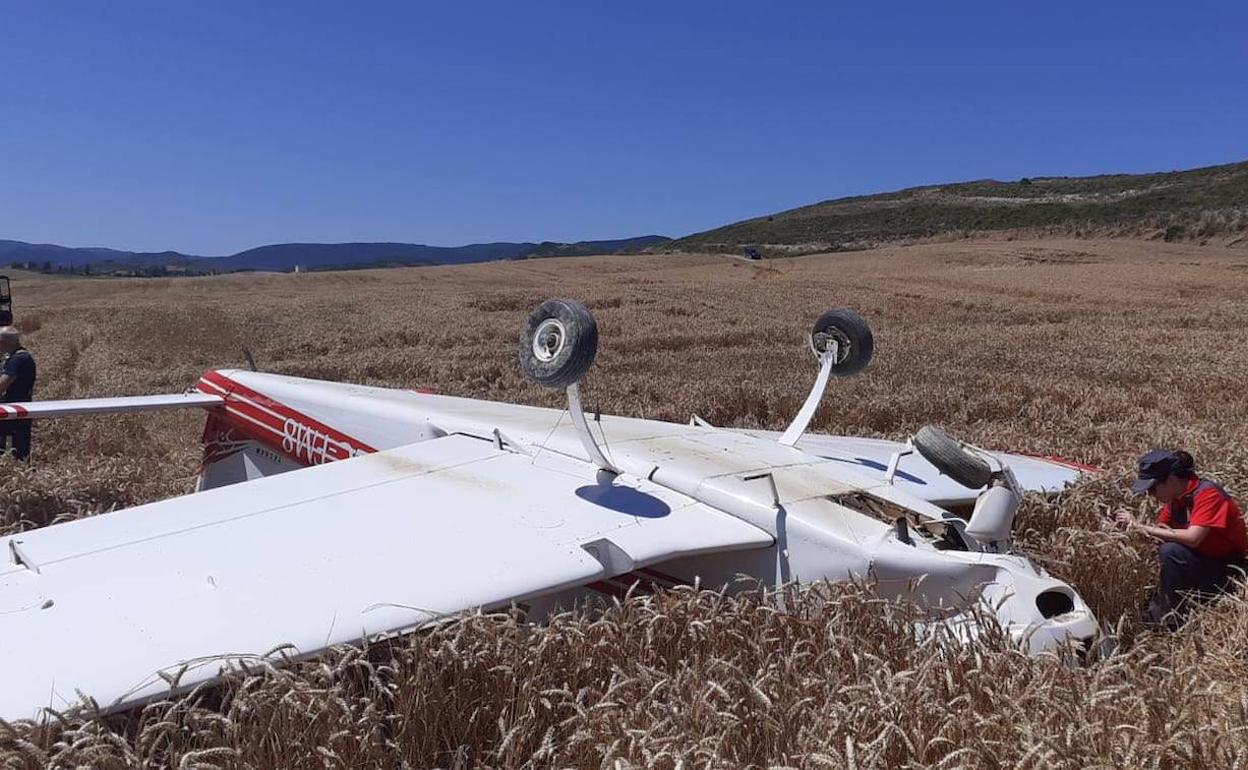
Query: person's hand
(1124,520)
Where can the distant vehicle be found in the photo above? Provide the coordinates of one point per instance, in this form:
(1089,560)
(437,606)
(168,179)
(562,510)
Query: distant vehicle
(6,302)
(749,252)
(327,513)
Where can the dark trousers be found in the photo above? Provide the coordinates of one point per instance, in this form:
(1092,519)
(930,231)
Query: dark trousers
(15,438)
(1187,576)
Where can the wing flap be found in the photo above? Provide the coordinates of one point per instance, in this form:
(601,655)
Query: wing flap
(378,544)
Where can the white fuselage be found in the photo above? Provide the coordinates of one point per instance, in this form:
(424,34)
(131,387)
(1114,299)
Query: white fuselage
(830,516)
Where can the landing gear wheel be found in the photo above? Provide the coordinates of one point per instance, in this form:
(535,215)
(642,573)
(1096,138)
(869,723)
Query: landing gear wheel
(854,342)
(951,458)
(559,343)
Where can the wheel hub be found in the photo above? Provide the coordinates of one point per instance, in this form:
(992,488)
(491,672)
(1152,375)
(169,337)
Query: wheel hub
(820,342)
(549,339)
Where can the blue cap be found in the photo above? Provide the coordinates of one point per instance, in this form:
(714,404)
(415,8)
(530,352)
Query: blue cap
(1154,466)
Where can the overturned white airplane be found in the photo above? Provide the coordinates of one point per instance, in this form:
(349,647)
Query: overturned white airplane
(407,506)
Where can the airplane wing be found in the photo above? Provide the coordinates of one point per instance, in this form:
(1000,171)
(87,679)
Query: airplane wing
(33,410)
(118,606)
(921,479)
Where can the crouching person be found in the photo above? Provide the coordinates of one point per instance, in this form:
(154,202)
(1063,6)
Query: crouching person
(1201,529)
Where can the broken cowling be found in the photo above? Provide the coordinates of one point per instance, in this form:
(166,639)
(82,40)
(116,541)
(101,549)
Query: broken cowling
(992,518)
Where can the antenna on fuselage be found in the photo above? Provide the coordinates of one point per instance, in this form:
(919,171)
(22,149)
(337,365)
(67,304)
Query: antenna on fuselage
(558,346)
(843,343)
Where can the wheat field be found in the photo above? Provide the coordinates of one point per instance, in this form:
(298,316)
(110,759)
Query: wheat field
(1095,350)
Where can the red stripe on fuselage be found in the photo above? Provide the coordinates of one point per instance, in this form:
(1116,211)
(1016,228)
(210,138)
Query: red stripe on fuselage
(288,431)
(1072,464)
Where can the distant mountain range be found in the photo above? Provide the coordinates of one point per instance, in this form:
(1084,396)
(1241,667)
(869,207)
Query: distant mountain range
(1204,205)
(305,256)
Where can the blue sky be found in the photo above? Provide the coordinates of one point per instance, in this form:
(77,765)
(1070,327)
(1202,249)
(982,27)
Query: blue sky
(211,127)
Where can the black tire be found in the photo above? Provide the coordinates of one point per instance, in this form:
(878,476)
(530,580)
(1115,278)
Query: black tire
(567,345)
(950,458)
(855,342)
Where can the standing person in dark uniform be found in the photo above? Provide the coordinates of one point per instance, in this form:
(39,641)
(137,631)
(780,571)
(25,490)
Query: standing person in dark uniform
(1204,541)
(17,384)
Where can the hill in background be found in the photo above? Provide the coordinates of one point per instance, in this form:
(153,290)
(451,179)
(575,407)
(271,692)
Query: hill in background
(319,256)
(1201,205)
(62,256)
(1198,205)
(306,256)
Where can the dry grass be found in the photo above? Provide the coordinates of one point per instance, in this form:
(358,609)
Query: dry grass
(1093,350)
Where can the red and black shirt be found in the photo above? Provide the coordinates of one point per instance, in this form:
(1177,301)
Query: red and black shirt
(1209,507)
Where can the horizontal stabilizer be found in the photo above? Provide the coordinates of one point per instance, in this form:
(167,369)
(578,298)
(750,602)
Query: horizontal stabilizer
(37,410)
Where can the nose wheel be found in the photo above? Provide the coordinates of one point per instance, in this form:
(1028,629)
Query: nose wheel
(952,458)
